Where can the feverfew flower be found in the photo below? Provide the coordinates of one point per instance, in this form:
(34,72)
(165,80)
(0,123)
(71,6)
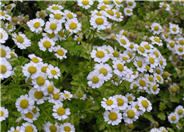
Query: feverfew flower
(85,3)
(5,69)
(53,72)
(99,55)
(3,114)
(67,127)
(60,52)
(36,25)
(113,117)
(144,104)
(173,118)
(52,26)
(73,26)
(3,36)
(46,44)
(95,79)
(99,22)
(109,104)
(156,28)
(54,8)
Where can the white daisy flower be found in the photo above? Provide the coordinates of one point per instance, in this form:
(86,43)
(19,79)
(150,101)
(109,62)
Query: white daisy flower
(28,127)
(109,104)
(156,28)
(95,79)
(24,103)
(144,104)
(165,6)
(154,89)
(180,40)
(130,115)
(3,36)
(50,127)
(53,72)
(85,3)
(50,88)
(61,35)
(130,97)
(173,28)
(152,61)
(54,8)
(10,6)
(37,96)
(5,52)
(29,116)
(179,110)
(60,52)
(119,68)
(58,16)
(16,129)
(99,22)
(128,11)
(73,26)
(154,130)
(173,118)
(163,129)
(52,36)
(3,113)
(34,58)
(69,15)
(105,70)
(131,3)
(46,44)
(56,97)
(36,25)
(66,95)
(21,40)
(158,78)
(10,27)
(5,69)
(112,117)
(81,96)
(179,49)
(60,113)
(99,55)
(118,3)
(52,26)
(142,83)
(156,40)
(122,102)
(67,127)
(30,69)
(137,107)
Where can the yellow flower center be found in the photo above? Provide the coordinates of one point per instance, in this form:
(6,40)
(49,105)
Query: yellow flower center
(29,115)
(174,29)
(107,2)
(139,63)
(159,78)
(29,129)
(156,28)
(47,44)
(95,79)
(61,111)
(3,69)
(36,25)
(34,110)
(115,53)
(1,113)
(44,69)
(180,112)
(99,21)
(142,83)
(16,131)
(123,41)
(120,101)
(181,42)
(73,25)
(103,71)
(9,6)
(20,39)
(158,71)
(50,89)
(180,49)
(10,26)
(141,49)
(66,95)
(150,79)
(52,35)
(60,52)
(35,60)
(53,26)
(156,54)
(110,12)
(2,13)
(124,58)
(173,89)
(55,8)
(24,103)
(1,35)
(145,103)
(147,68)
(164,5)
(32,69)
(56,96)
(67,128)
(154,88)
(38,94)
(137,107)
(130,3)
(109,102)
(157,40)
(130,113)
(79,39)
(129,98)
(120,67)
(128,11)
(53,72)
(147,46)
(103,7)
(151,60)
(57,16)
(85,2)
(112,116)
(70,16)
(118,15)
(53,128)
(100,54)
(173,118)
